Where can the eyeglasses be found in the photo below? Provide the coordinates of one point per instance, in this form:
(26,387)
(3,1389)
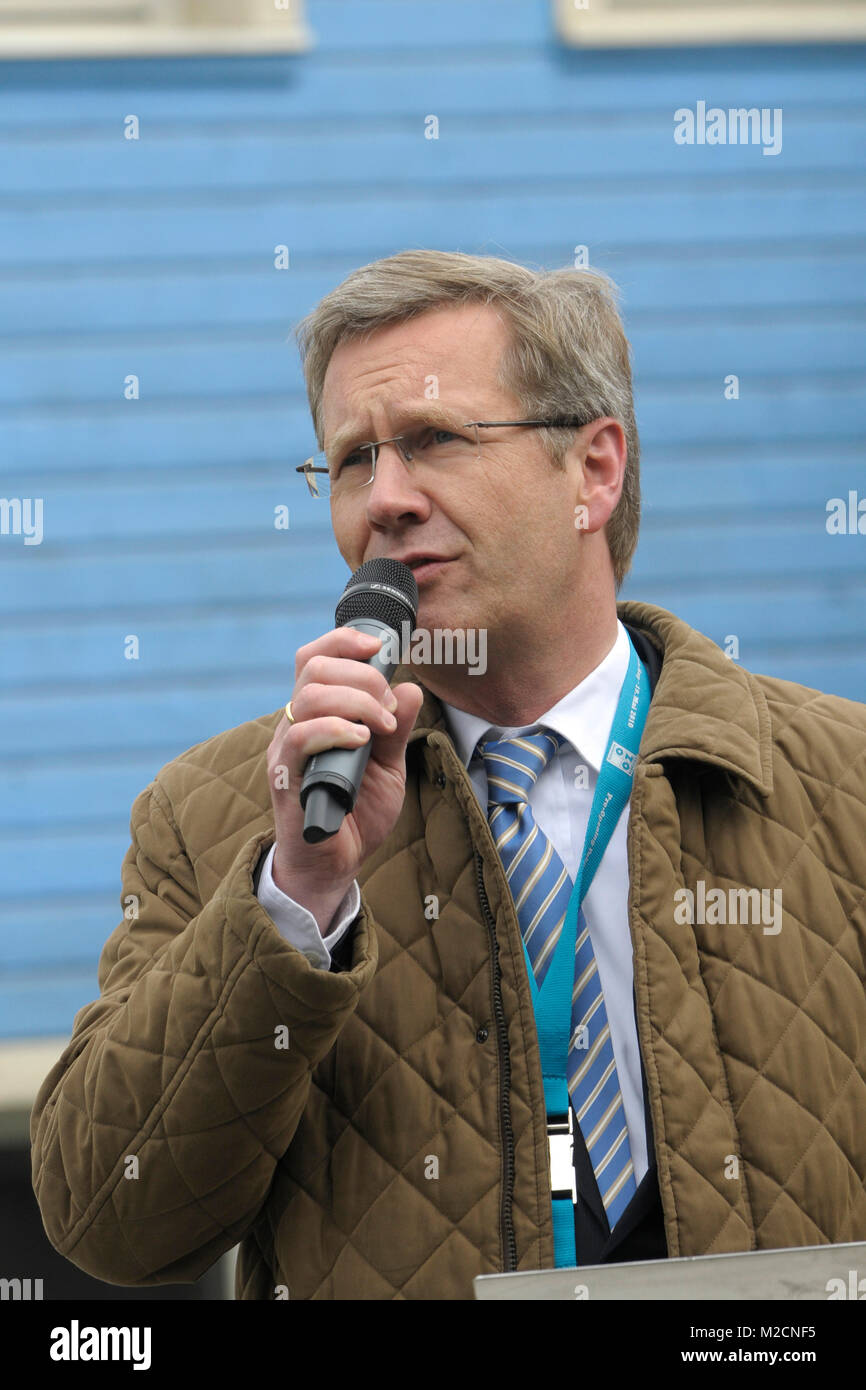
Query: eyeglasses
(428,449)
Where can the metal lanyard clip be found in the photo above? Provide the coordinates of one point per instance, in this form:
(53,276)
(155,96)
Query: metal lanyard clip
(560,1145)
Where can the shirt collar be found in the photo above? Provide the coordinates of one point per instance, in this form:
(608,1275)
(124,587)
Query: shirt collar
(583,716)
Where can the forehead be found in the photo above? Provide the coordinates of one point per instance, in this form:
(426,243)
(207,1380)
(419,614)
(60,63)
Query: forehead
(450,355)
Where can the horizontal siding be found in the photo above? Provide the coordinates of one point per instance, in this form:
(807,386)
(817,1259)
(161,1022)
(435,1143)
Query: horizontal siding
(752,212)
(662,281)
(155,258)
(164,164)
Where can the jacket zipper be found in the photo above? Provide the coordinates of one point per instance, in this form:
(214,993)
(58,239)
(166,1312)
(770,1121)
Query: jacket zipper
(506,1217)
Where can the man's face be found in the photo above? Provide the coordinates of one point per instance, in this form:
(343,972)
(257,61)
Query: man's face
(505,524)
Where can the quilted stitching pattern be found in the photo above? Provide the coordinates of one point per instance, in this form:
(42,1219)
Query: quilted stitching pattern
(320,1156)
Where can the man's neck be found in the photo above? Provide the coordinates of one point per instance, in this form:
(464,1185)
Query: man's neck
(522,680)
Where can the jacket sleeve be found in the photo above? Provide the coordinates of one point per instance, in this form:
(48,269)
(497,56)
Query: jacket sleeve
(156,1135)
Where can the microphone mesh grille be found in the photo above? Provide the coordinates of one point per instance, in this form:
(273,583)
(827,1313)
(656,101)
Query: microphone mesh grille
(378,603)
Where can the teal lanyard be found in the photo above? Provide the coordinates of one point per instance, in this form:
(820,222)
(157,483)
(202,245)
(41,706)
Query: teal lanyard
(553,1001)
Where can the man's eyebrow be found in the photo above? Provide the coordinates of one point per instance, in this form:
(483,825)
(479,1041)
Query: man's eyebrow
(431,414)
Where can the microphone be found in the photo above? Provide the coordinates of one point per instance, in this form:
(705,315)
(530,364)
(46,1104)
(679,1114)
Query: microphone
(380,596)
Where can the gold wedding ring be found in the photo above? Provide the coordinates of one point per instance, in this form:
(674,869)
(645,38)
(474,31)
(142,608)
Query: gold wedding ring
(289,715)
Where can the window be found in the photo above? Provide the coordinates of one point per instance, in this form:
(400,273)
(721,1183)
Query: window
(142,28)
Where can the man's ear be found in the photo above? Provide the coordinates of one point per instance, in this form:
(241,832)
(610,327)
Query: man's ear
(597,458)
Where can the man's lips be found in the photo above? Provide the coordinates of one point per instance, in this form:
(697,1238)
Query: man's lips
(428,569)
(424,566)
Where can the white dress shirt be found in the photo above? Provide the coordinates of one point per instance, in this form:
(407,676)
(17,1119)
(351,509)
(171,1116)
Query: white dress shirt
(560,806)
(298,925)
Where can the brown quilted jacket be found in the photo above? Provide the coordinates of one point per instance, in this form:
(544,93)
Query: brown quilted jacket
(396,1147)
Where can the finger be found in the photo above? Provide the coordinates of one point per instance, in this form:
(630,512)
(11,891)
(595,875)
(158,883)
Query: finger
(340,641)
(301,741)
(342,672)
(315,701)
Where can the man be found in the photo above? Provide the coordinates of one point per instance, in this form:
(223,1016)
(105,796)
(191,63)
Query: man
(331,1052)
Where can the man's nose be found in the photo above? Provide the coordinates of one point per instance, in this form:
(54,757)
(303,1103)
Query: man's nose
(393,490)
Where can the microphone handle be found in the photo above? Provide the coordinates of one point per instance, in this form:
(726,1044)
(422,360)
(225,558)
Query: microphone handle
(333,777)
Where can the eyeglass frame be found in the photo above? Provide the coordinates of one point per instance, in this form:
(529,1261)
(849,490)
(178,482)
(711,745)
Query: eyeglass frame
(562,422)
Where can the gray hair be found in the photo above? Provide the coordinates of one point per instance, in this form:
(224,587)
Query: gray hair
(568,356)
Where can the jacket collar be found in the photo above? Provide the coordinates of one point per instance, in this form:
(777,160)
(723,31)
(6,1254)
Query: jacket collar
(704,707)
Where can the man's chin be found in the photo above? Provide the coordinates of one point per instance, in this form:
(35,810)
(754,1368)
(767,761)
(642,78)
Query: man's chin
(445,602)
(439,616)
(444,643)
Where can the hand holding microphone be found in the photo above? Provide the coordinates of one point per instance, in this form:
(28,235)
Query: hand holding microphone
(347,745)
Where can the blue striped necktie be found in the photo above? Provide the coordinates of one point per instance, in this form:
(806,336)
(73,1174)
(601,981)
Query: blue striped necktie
(541,888)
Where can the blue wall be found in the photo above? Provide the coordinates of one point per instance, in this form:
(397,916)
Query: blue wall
(155,257)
